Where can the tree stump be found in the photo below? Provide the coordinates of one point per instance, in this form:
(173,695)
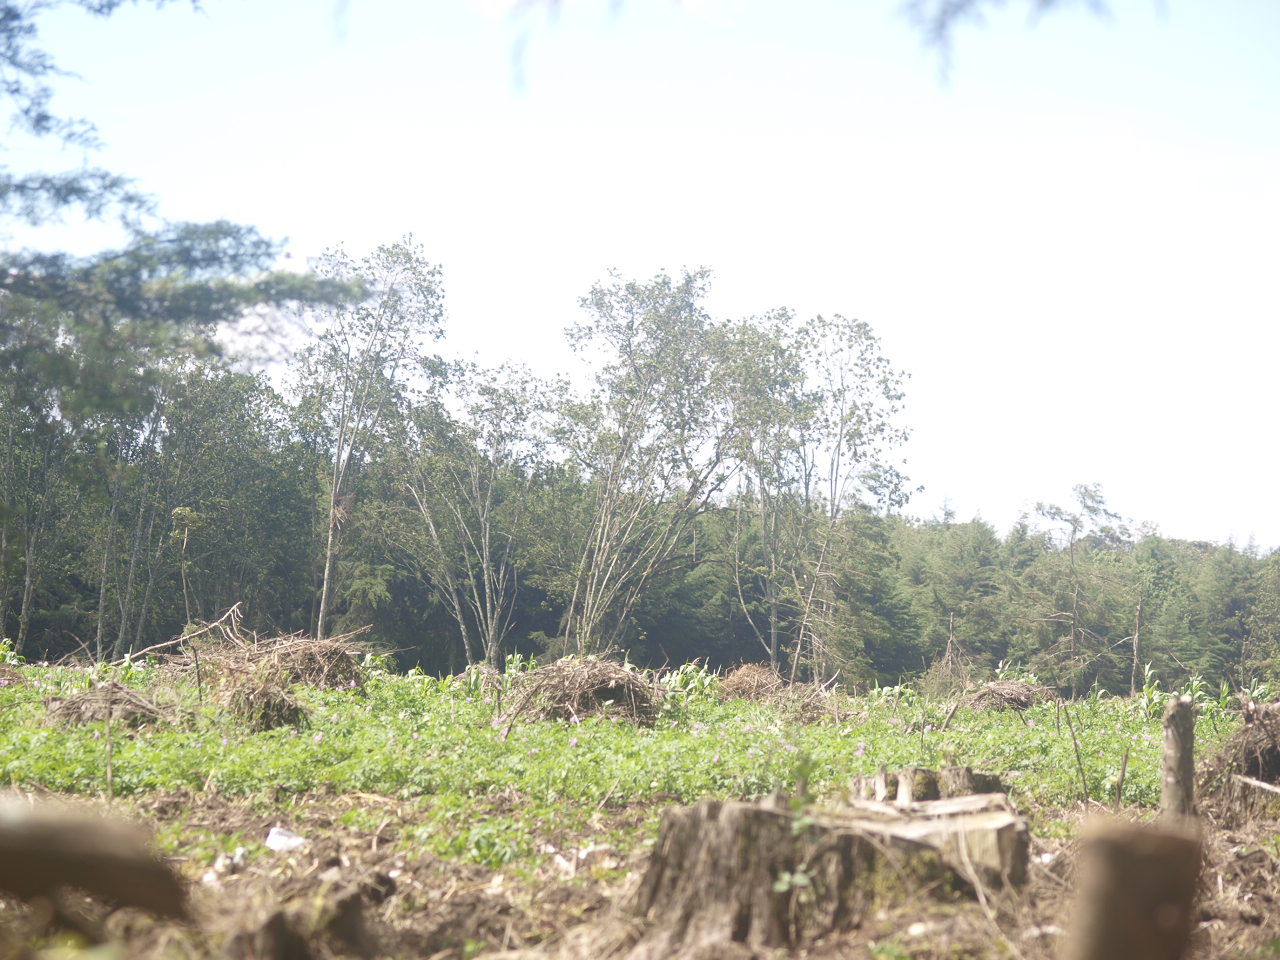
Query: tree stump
(912,784)
(764,876)
(1136,887)
(918,783)
(965,781)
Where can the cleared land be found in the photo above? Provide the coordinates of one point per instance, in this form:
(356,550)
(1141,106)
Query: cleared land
(487,813)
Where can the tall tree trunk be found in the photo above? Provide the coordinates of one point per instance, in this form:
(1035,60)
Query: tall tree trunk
(24,612)
(4,581)
(329,549)
(100,632)
(1137,638)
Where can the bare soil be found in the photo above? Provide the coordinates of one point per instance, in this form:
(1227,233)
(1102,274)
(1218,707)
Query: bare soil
(362,891)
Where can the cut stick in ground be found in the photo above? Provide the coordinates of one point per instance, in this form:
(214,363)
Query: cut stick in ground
(1177,792)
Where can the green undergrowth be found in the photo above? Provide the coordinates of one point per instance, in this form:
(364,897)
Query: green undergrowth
(491,795)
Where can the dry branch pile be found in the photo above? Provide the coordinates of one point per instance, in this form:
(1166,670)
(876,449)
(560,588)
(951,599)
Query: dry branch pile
(572,688)
(261,702)
(1243,779)
(106,701)
(225,646)
(1007,695)
(800,702)
(752,681)
(252,674)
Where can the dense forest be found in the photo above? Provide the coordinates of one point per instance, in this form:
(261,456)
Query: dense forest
(698,488)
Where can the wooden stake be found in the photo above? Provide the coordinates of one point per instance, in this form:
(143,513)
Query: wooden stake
(1075,743)
(1177,790)
(1124,766)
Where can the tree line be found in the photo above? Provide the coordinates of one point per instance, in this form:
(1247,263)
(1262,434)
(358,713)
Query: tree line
(698,488)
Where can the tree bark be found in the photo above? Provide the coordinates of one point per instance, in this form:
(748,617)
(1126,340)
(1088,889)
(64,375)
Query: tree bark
(725,873)
(1137,639)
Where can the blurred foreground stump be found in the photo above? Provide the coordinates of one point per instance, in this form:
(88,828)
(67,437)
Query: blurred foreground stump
(765,875)
(45,849)
(1135,890)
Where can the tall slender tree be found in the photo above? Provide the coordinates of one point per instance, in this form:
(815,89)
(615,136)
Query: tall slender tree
(365,360)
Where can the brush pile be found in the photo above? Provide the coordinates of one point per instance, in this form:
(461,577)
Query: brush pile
(225,648)
(752,681)
(1007,695)
(106,701)
(799,702)
(251,675)
(572,688)
(1242,780)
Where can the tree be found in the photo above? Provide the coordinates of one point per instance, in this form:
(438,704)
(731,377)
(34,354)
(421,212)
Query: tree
(1076,600)
(468,474)
(820,429)
(364,363)
(83,334)
(651,444)
(937,20)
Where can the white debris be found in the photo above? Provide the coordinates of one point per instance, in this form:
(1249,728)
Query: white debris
(1048,930)
(282,840)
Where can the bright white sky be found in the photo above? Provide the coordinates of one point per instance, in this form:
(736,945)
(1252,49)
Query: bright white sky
(1070,243)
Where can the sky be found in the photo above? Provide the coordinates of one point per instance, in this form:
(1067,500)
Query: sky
(1065,231)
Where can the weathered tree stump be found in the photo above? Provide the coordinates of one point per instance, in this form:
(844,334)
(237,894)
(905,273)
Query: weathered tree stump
(912,784)
(882,786)
(918,783)
(1177,792)
(1136,886)
(965,781)
(761,875)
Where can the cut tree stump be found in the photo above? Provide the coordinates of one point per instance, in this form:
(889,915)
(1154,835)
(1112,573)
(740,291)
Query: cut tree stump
(764,876)
(1136,890)
(911,784)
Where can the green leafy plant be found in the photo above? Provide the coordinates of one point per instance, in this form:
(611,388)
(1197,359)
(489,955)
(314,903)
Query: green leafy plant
(8,655)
